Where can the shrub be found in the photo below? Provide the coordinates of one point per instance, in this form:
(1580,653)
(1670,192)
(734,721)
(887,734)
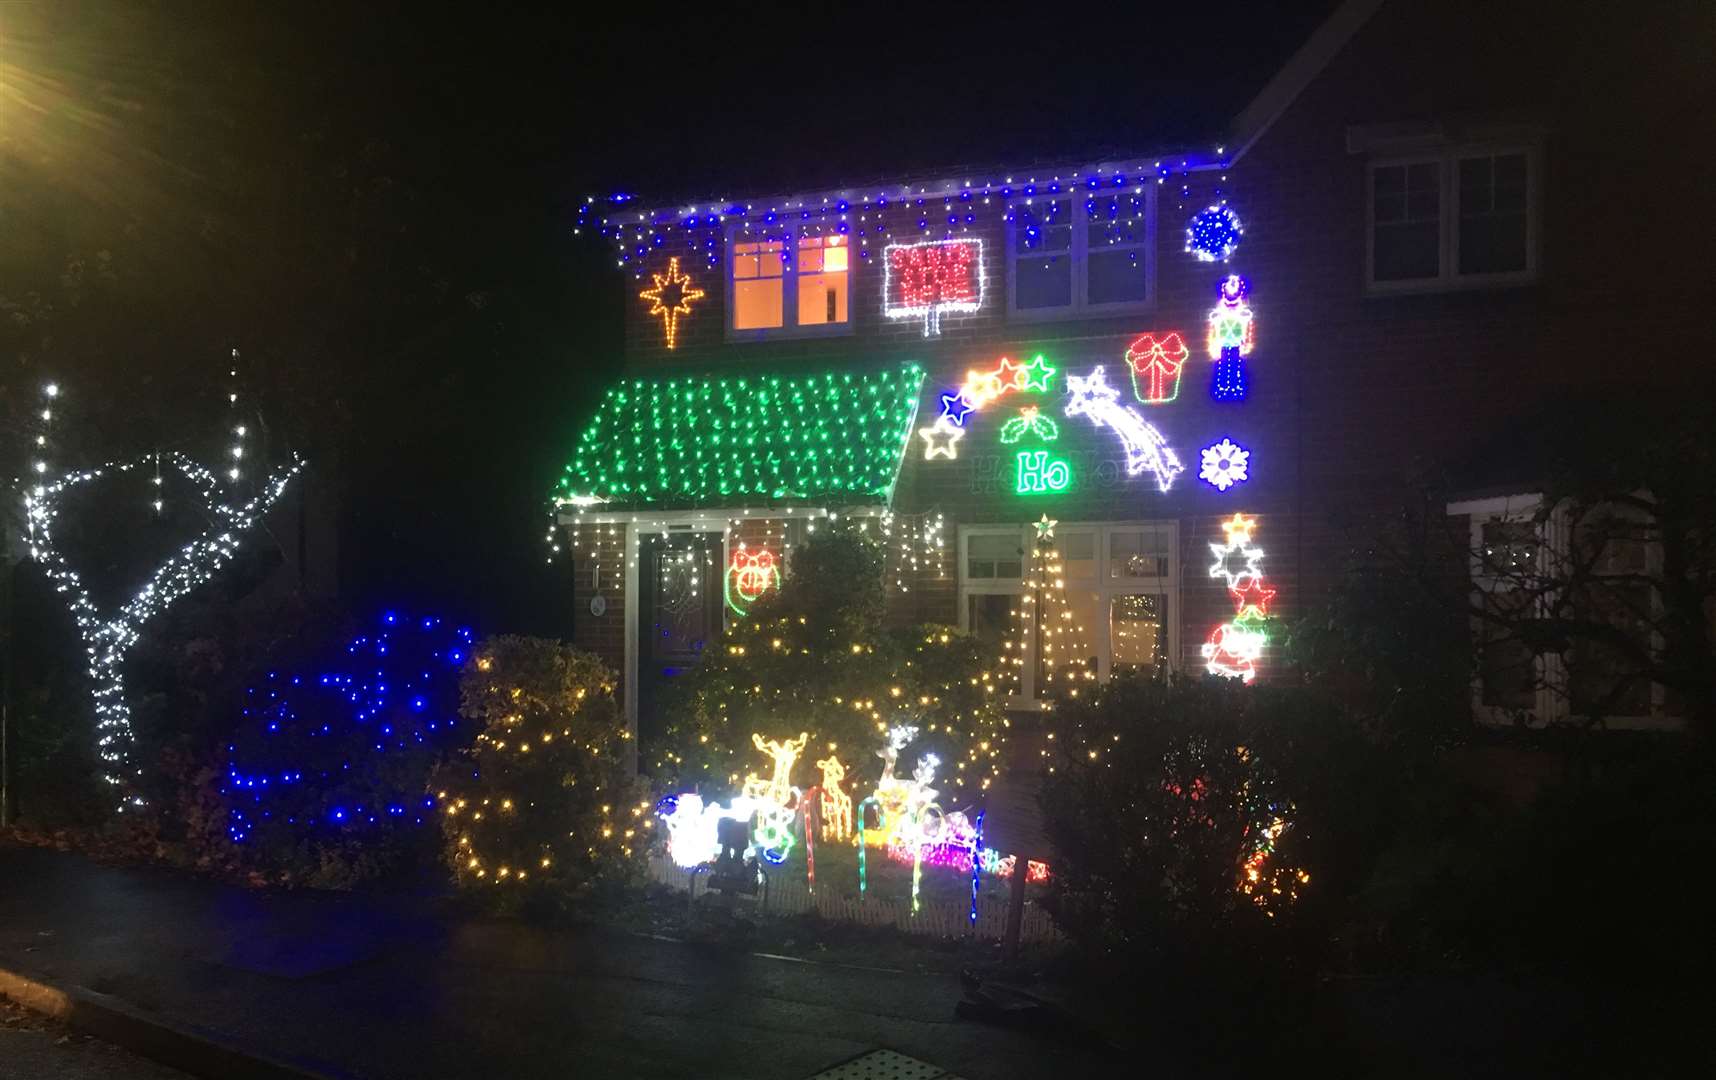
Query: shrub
(543,806)
(816,658)
(326,778)
(1177,832)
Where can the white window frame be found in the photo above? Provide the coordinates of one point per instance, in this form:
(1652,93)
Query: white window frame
(1078,253)
(789,327)
(1554,702)
(1447,159)
(1548,704)
(1103,585)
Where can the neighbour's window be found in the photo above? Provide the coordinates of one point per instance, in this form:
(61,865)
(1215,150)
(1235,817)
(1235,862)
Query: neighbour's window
(776,286)
(1406,208)
(1607,677)
(1493,227)
(1566,610)
(1081,252)
(1457,218)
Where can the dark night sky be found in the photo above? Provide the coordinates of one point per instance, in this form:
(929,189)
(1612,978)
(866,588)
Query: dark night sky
(496,124)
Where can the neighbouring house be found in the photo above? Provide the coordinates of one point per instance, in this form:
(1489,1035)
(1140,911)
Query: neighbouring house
(1203,362)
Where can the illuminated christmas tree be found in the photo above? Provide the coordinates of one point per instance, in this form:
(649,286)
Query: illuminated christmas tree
(1046,620)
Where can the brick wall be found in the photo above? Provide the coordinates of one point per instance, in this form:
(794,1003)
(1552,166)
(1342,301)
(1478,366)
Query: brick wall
(599,569)
(1350,394)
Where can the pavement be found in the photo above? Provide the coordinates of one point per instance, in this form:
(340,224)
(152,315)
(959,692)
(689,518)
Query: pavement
(34,1047)
(354,985)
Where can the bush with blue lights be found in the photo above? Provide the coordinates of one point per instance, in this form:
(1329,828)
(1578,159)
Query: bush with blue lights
(341,757)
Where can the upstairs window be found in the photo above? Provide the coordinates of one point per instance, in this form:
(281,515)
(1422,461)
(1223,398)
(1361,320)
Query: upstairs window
(1454,219)
(785,285)
(1081,253)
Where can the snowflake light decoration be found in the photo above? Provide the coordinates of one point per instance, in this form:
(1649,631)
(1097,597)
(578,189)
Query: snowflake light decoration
(1224,464)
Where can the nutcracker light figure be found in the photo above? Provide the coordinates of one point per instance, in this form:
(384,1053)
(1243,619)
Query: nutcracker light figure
(1232,333)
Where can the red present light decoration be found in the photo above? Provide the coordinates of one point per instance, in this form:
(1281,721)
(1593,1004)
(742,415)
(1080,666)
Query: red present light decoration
(924,280)
(1156,364)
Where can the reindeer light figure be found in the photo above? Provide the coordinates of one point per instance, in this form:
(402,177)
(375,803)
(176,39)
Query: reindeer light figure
(892,793)
(775,797)
(836,804)
(778,788)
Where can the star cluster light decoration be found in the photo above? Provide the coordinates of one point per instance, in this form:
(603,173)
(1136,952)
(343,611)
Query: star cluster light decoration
(1236,552)
(670,298)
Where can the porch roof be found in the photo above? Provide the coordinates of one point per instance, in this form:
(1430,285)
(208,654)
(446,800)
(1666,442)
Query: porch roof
(683,442)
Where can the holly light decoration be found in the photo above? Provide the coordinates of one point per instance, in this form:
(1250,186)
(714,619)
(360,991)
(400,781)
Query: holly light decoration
(926,279)
(670,298)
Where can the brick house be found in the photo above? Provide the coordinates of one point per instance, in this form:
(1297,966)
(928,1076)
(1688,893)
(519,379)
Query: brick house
(1435,236)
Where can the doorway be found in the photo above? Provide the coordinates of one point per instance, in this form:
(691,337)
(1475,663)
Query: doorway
(679,585)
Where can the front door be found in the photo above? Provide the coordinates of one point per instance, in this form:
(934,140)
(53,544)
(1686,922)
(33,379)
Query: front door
(679,582)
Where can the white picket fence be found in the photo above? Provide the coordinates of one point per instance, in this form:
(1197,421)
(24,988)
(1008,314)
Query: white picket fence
(792,896)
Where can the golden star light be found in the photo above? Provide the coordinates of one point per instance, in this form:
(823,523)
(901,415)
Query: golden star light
(678,286)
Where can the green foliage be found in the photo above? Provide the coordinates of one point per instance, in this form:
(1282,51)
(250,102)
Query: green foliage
(359,731)
(1391,640)
(543,808)
(1160,798)
(817,658)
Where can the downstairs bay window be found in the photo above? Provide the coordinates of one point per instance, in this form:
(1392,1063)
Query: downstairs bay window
(1120,588)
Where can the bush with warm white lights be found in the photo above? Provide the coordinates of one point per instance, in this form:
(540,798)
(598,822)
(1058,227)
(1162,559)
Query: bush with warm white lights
(816,657)
(543,806)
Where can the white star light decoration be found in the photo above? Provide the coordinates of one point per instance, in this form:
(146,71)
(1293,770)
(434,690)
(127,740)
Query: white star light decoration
(1224,464)
(941,439)
(1091,396)
(1238,529)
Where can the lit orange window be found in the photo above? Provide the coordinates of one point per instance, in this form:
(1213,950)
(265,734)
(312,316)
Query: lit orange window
(758,277)
(822,271)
